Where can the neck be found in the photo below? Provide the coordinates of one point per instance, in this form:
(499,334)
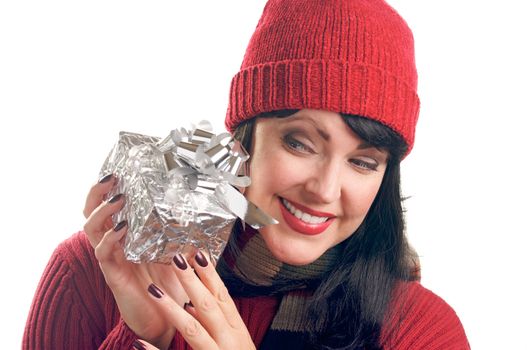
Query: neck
(248,261)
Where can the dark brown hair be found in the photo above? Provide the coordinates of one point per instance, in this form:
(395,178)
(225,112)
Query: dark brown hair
(351,303)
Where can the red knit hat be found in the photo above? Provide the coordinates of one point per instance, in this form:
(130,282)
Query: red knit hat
(345,56)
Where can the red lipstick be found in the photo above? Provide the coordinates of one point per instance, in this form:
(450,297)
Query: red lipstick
(311,211)
(304,227)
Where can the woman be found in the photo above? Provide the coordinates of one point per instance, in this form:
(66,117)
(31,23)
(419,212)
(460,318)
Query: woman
(326,104)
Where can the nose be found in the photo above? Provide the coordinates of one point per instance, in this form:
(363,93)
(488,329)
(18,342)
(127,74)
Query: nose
(325,182)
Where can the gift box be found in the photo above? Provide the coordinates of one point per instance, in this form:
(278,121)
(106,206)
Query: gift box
(180,192)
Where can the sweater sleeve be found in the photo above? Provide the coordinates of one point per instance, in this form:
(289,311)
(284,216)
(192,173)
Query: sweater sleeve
(421,320)
(72,307)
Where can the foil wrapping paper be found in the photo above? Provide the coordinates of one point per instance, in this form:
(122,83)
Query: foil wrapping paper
(180,192)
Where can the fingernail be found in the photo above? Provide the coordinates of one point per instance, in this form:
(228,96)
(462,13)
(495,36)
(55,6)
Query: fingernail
(201,259)
(115,198)
(155,291)
(180,261)
(105,178)
(119,226)
(138,345)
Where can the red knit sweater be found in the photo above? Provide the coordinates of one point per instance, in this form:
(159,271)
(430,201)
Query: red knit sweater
(74,309)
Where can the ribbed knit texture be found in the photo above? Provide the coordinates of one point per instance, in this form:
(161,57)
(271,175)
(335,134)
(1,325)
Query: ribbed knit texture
(74,309)
(248,268)
(422,320)
(345,56)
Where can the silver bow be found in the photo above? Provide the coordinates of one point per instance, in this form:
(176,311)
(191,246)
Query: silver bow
(212,164)
(180,192)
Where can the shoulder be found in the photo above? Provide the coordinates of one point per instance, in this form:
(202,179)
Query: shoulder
(78,269)
(420,319)
(77,252)
(72,302)
(414,296)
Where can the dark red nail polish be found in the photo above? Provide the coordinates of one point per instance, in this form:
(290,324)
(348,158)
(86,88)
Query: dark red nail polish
(180,261)
(155,291)
(105,178)
(201,259)
(115,198)
(119,226)
(138,345)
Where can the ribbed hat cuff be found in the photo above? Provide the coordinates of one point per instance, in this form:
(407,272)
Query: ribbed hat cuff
(336,86)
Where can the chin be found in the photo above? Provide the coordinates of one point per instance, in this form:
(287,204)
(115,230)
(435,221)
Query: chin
(290,251)
(297,261)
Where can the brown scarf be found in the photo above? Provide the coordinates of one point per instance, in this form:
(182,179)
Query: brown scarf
(249,269)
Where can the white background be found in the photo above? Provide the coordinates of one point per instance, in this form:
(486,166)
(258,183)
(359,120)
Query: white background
(73,74)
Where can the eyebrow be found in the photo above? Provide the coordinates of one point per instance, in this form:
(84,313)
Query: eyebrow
(366,145)
(327,137)
(321,132)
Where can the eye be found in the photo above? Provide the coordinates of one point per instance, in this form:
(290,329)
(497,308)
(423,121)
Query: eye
(293,143)
(364,165)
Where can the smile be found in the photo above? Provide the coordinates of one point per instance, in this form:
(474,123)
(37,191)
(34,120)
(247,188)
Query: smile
(303,219)
(307,218)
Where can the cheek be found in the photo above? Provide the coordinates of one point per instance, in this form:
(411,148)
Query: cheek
(360,196)
(275,172)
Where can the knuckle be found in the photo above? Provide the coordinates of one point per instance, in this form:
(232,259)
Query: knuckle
(191,328)
(207,304)
(88,228)
(90,235)
(99,252)
(222,294)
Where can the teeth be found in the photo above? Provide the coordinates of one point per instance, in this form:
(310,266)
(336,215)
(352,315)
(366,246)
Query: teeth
(307,218)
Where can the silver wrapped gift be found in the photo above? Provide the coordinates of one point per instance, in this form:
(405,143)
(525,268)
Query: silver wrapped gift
(179,192)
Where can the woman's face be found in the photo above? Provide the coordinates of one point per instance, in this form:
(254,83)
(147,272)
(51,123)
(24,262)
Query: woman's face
(313,174)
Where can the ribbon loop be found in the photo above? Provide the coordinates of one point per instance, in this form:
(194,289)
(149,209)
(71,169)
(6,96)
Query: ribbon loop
(182,190)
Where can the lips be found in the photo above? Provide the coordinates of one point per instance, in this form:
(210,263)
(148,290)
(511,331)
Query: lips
(301,226)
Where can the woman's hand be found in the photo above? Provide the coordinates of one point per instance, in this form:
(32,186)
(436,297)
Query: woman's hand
(127,280)
(212,320)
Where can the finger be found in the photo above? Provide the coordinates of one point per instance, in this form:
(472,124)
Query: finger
(109,247)
(164,277)
(113,265)
(210,278)
(97,193)
(97,223)
(207,309)
(193,332)
(110,255)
